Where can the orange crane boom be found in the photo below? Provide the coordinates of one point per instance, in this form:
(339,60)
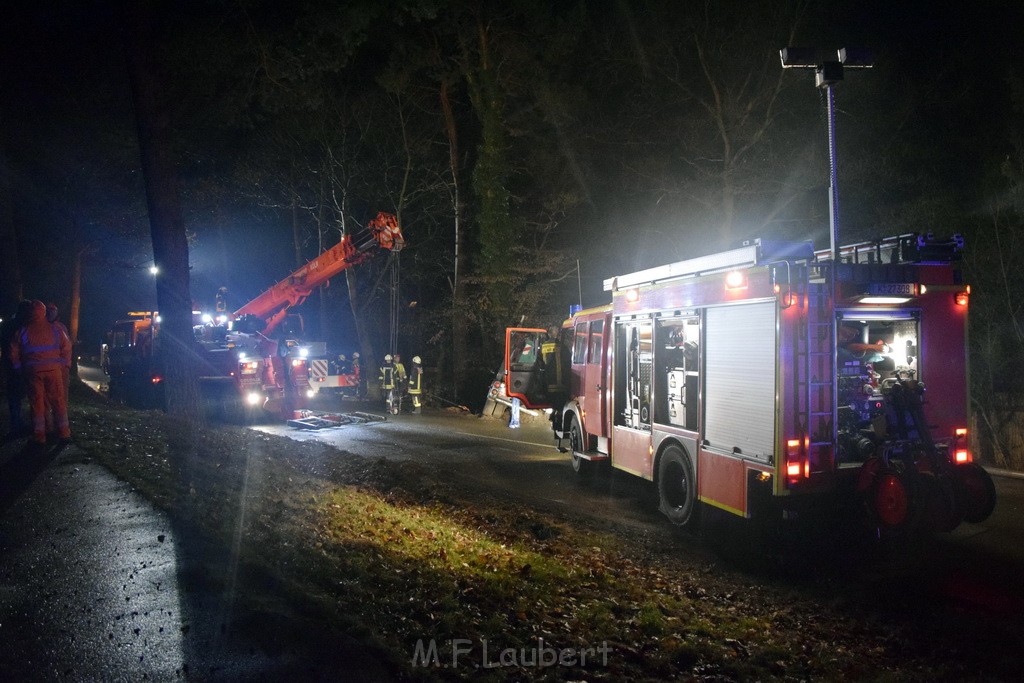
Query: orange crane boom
(272,305)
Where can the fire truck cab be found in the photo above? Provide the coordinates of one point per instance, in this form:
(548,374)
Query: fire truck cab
(135,372)
(229,378)
(772,380)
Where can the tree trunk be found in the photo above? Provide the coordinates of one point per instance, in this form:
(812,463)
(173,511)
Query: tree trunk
(459,352)
(11,286)
(368,357)
(167,229)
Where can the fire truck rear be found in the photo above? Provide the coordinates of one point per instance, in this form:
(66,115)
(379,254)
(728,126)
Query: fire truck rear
(773,381)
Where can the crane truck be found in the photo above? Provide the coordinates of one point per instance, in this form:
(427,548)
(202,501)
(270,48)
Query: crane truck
(776,381)
(247,360)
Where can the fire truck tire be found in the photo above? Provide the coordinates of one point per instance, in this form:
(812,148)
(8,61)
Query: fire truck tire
(868,473)
(979,492)
(581,466)
(892,500)
(941,502)
(114,391)
(677,486)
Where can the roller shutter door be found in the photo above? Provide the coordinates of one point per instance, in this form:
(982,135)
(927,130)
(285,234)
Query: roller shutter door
(740,356)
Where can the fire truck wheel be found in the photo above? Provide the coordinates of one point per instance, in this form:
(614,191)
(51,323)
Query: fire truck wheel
(942,502)
(677,487)
(867,474)
(892,500)
(979,499)
(581,466)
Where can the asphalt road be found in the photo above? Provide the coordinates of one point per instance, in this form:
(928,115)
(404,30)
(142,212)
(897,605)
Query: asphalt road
(484,455)
(96,584)
(523,463)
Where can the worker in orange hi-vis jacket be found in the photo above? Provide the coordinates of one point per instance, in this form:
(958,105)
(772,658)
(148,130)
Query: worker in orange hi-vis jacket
(41,350)
(51,317)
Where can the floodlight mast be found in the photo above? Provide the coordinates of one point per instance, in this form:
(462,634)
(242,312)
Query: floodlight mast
(828,72)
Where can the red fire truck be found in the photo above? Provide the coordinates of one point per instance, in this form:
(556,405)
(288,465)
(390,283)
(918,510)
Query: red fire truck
(773,381)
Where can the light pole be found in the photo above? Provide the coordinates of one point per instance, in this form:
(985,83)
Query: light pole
(828,72)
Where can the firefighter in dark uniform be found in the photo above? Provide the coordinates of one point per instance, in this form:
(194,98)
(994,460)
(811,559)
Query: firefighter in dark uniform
(553,367)
(554,364)
(16,387)
(400,375)
(416,384)
(388,383)
(357,372)
(221,302)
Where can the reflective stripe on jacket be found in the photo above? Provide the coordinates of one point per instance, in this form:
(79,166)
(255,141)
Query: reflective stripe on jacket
(416,380)
(41,345)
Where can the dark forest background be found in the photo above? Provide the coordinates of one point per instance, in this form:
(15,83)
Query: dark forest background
(530,149)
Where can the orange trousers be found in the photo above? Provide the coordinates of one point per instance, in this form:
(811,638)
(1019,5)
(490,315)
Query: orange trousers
(46,389)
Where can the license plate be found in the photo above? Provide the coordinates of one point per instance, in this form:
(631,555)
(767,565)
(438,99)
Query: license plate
(893,289)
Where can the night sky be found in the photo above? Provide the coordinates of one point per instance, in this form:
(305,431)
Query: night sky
(920,134)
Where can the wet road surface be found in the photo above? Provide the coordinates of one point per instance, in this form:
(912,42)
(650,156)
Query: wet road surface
(97,584)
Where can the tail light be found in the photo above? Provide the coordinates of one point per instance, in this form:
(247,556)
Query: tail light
(961,453)
(796,461)
(250,367)
(156,379)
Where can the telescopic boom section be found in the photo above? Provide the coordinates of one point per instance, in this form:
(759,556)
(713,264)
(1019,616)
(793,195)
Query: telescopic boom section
(273,304)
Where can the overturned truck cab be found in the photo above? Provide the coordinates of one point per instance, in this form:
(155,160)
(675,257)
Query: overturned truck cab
(774,381)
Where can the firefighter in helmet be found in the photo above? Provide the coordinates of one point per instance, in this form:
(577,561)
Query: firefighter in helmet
(387,381)
(357,373)
(387,373)
(416,384)
(221,303)
(400,375)
(553,366)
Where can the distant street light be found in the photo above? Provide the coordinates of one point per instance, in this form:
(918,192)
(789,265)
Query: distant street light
(153,270)
(828,72)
